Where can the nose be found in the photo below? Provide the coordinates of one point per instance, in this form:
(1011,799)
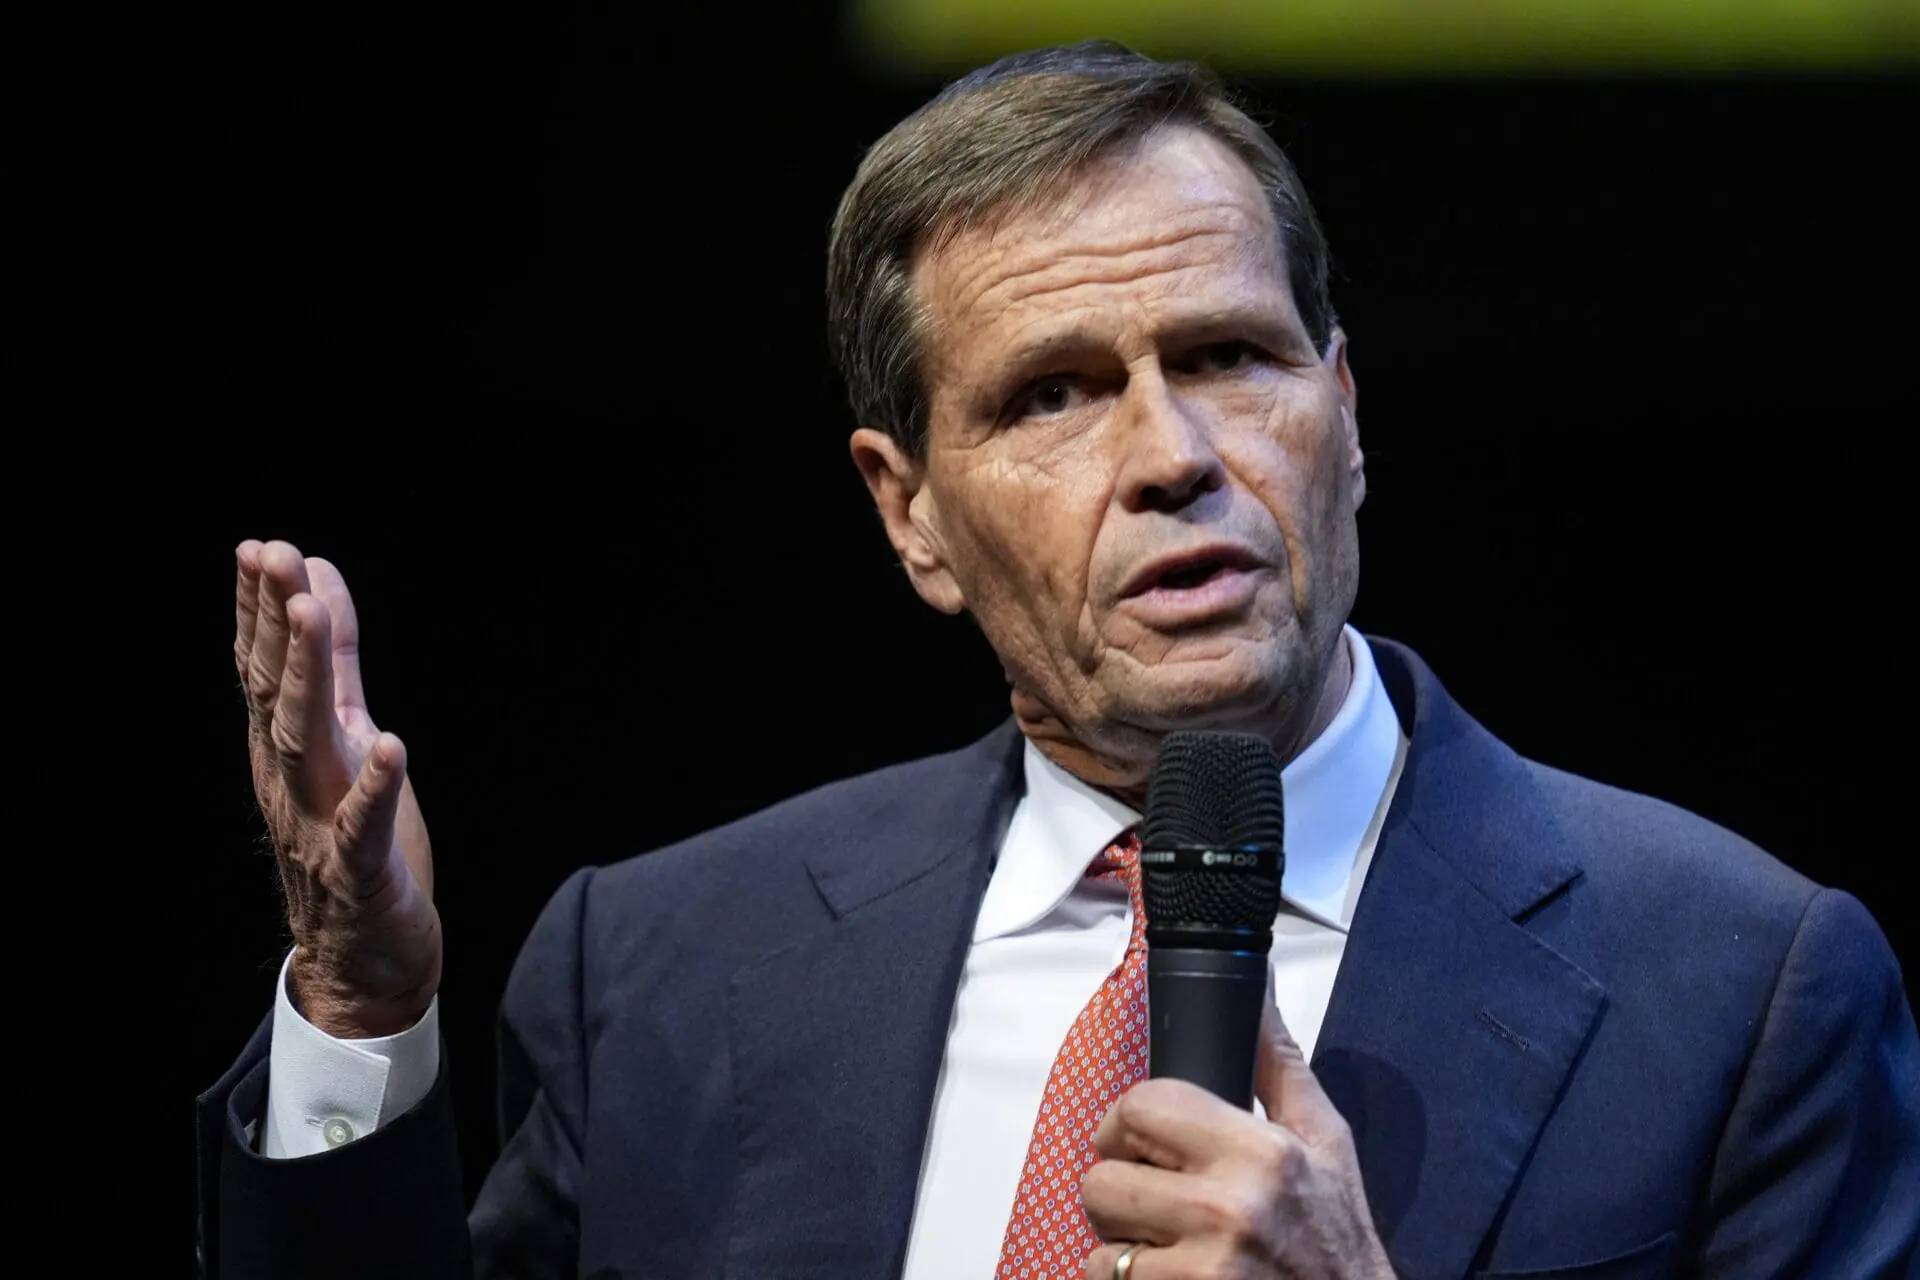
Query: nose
(1168,459)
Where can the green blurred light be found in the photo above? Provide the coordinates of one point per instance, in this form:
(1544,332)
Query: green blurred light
(1359,37)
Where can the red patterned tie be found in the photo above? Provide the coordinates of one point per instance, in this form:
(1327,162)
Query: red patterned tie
(1048,1236)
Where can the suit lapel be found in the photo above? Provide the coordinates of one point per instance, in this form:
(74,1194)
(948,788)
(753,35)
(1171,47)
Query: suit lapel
(1452,1028)
(837,1039)
(1449,1036)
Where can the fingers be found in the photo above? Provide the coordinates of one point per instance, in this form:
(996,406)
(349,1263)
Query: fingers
(303,727)
(331,590)
(246,601)
(1149,1263)
(283,575)
(1128,1201)
(1287,1087)
(363,824)
(1170,1123)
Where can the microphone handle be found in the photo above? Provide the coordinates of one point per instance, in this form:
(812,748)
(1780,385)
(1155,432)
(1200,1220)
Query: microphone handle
(1204,1010)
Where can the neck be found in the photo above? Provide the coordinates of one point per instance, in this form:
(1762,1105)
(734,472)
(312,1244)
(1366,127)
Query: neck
(1119,760)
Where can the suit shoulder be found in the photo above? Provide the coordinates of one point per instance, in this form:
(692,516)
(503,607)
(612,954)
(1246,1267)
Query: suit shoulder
(1685,922)
(747,888)
(1652,851)
(771,842)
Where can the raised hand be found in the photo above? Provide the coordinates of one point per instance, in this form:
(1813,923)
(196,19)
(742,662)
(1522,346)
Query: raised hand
(1190,1186)
(347,832)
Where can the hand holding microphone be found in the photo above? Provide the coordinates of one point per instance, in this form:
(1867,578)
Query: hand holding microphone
(1189,1181)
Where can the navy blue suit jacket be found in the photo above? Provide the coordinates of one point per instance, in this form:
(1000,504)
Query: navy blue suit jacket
(1577,1033)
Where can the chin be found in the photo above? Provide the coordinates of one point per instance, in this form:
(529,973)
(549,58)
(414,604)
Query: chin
(1231,692)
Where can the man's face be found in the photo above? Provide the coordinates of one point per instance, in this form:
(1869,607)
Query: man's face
(1141,477)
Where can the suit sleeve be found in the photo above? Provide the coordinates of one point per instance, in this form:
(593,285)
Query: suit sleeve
(390,1206)
(1818,1169)
(525,1223)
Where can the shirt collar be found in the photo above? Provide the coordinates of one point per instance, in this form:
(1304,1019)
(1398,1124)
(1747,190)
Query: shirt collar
(1332,790)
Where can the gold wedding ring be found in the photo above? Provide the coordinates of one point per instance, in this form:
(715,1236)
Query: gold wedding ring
(1123,1265)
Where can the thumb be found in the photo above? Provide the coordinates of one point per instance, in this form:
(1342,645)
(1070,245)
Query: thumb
(1287,1087)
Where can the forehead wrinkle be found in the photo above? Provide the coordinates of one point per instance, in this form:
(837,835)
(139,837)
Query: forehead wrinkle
(1112,202)
(1054,284)
(1177,297)
(1101,264)
(989,282)
(971,282)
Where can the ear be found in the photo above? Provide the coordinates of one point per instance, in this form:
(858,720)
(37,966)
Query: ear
(910,513)
(1335,360)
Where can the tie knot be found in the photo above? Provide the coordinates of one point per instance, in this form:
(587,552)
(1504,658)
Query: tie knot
(1122,856)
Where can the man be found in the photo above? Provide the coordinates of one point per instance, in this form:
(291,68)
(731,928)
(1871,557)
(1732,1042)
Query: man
(1524,1024)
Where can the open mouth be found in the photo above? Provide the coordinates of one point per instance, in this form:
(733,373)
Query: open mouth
(1194,570)
(1199,587)
(1188,575)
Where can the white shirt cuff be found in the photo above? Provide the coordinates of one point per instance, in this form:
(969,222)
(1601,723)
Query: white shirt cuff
(324,1092)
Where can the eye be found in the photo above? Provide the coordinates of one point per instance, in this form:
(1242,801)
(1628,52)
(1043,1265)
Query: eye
(1055,393)
(1223,357)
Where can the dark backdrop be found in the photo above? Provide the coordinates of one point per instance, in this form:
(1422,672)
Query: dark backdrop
(516,314)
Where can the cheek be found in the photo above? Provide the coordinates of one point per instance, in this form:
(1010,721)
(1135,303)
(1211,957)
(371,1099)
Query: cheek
(1296,465)
(1025,541)
(1326,498)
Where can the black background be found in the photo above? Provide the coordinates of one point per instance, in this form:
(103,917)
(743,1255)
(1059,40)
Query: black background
(516,314)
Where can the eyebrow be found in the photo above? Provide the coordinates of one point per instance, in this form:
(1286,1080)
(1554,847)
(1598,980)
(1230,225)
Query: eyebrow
(1264,322)
(1257,321)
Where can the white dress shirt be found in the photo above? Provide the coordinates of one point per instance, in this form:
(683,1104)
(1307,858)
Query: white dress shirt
(1044,941)
(1047,937)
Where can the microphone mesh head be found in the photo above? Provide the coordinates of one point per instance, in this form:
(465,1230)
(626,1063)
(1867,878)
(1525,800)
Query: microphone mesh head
(1213,791)
(1219,789)
(1217,900)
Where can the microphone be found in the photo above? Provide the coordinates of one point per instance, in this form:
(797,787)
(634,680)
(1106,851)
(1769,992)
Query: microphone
(1210,864)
